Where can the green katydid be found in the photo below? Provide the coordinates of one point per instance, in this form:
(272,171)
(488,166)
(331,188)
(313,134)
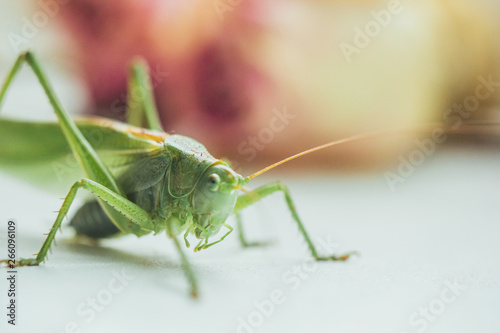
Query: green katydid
(143,179)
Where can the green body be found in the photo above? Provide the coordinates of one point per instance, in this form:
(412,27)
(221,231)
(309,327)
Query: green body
(156,171)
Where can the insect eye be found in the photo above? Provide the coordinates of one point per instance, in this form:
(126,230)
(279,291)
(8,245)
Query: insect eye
(213,182)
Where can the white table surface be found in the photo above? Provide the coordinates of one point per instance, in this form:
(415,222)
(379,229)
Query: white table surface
(438,229)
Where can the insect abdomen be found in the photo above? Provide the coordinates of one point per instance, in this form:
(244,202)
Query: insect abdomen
(91,220)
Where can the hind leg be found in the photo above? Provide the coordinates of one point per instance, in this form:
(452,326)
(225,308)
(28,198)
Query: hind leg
(141,107)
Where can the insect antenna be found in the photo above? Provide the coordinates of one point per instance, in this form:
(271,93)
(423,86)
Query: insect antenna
(469,128)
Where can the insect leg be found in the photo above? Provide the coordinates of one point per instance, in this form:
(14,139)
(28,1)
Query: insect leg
(241,234)
(128,209)
(141,107)
(185,263)
(246,200)
(86,156)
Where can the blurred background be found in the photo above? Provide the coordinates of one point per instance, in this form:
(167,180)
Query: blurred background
(256,81)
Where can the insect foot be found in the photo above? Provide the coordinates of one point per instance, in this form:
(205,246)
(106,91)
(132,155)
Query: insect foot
(257,244)
(21,262)
(337,258)
(27,262)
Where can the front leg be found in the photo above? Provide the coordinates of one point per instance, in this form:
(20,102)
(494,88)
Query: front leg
(246,200)
(185,262)
(241,234)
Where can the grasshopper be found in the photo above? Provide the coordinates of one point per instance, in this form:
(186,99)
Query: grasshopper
(143,179)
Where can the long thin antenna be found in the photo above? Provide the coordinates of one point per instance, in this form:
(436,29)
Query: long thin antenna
(422,128)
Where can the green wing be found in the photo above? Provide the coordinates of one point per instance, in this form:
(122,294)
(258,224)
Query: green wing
(39,153)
